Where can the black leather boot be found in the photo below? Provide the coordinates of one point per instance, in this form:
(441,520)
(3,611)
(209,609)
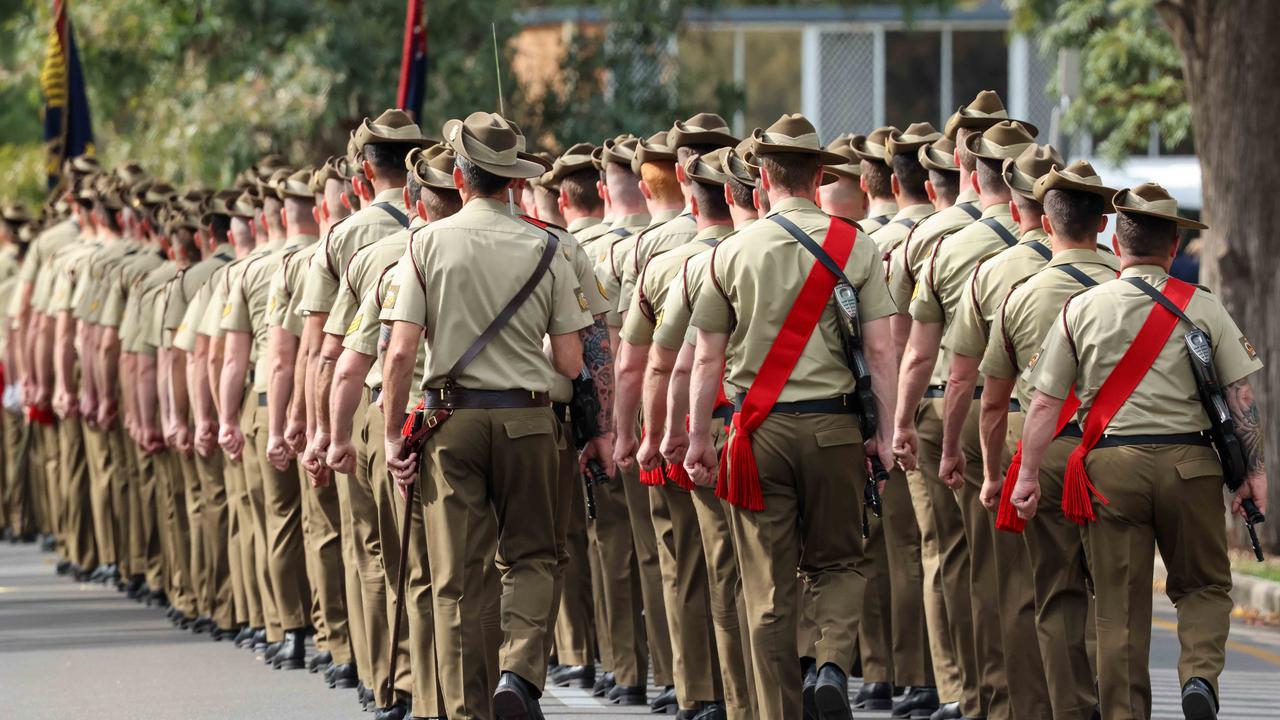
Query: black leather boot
(293,651)
(831,694)
(874,696)
(515,699)
(916,702)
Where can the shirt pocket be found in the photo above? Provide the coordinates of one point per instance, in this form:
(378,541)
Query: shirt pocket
(530,427)
(1199,468)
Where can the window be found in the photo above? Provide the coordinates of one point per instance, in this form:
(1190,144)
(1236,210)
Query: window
(979,61)
(773,76)
(912,77)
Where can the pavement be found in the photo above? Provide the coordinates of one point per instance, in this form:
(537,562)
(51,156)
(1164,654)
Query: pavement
(69,648)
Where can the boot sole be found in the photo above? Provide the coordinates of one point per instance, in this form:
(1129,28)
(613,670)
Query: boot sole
(344,684)
(508,705)
(877,704)
(1198,707)
(831,703)
(629,700)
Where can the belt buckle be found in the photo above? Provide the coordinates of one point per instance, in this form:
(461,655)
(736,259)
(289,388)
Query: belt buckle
(432,421)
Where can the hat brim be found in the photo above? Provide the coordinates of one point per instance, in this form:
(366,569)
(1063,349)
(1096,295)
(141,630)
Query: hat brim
(1009,179)
(364,136)
(679,137)
(760,147)
(521,169)
(859,148)
(1178,220)
(959,120)
(1062,183)
(850,169)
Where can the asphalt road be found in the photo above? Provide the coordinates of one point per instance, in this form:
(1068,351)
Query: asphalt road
(78,650)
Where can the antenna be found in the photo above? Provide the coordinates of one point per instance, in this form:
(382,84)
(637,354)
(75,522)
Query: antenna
(502,107)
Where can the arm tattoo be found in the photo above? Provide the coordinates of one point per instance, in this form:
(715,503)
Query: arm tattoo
(1248,424)
(597,358)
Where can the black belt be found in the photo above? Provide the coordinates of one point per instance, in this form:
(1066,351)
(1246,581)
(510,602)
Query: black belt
(1015,406)
(723,413)
(561,411)
(463,399)
(1196,438)
(374,394)
(937,391)
(845,404)
(1072,430)
(262,399)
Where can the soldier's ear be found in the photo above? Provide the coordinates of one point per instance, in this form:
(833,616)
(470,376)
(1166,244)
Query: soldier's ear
(728,195)
(315,214)
(645,191)
(682,177)
(421,209)
(561,202)
(693,206)
(1047,225)
(346,201)
(973,183)
(895,187)
(1013,212)
(1102,223)
(404,194)
(862,183)
(930,191)
(1115,244)
(457,177)
(368,169)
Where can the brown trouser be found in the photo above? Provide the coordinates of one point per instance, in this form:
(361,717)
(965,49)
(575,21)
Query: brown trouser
(76,495)
(327,564)
(911,661)
(571,618)
(240,559)
(255,494)
(122,479)
(101,466)
(645,540)
(616,579)
(361,644)
(195,532)
(953,560)
(480,468)
(1170,497)
(147,513)
(1016,598)
(52,490)
(1059,568)
(728,610)
(389,511)
(282,510)
(219,595)
(811,475)
(875,631)
(684,590)
(21,515)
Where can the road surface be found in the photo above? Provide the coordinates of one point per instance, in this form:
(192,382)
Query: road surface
(80,650)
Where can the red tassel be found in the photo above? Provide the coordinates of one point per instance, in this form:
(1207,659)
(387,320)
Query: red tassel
(1077,505)
(744,476)
(1007,517)
(38,416)
(722,475)
(653,477)
(678,475)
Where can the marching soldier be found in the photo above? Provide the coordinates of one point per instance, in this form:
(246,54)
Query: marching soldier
(493,459)
(793,407)
(876,178)
(844,196)
(1074,201)
(1145,454)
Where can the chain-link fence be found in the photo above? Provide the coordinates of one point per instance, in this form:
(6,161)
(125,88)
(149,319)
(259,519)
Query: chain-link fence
(847,76)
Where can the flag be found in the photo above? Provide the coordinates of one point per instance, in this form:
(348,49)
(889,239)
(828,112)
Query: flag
(413,62)
(67,130)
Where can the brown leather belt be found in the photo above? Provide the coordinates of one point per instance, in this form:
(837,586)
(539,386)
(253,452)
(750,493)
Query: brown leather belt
(466,399)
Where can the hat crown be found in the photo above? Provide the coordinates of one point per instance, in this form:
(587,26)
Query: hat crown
(793,126)
(704,121)
(1007,133)
(709,167)
(881,134)
(1151,193)
(939,155)
(1082,171)
(659,141)
(582,148)
(394,118)
(1037,160)
(919,131)
(488,129)
(986,103)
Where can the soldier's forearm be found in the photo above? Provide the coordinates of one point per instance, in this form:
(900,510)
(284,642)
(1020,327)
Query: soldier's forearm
(297,413)
(597,358)
(312,336)
(993,424)
(704,383)
(331,348)
(179,394)
(631,362)
(397,373)
(44,353)
(108,361)
(217,346)
(146,394)
(657,381)
(1037,432)
(882,357)
(283,353)
(1248,426)
(917,365)
(232,383)
(957,400)
(678,388)
(348,383)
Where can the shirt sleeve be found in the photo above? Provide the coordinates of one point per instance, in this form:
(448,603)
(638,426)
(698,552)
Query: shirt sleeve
(406,299)
(364,329)
(1234,357)
(236,315)
(673,320)
(278,293)
(925,306)
(968,330)
(874,301)
(1053,369)
(322,278)
(347,302)
(568,304)
(597,303)
(637,329)
(711,311)
(996,360)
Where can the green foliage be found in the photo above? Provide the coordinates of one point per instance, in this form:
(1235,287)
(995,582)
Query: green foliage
(1130,70)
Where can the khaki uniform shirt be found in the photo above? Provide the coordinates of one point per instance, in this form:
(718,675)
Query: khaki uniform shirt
(1097,328)
(1025,316)
(879,213)
(465,268)
(587,230)
(608,253)
(9,265)
(370,336)
(989,285)
(287,288)
(185,335)
(91,286)
(246,306)
(677,309)
(908,262)
(891,234)
(649,303)
(363,271)
(45,245)
(139,327)
(330,261)
(622,253)
(184,290)
(597,303)
(671,234)
(760,271)
(119,284)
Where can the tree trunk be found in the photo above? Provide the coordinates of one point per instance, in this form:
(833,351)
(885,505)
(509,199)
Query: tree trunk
(1231,61)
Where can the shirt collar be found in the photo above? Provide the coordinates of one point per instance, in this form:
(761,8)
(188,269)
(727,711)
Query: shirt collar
(914,212)
(999,210)
(301,240)
(479,204)
(747,223)
(632,220)
(417,222)
(223,249)
(1077,255)
(1151,271)
(712,232)
(792,203)
(969,195)
(663,216)
(582,223)
(391,195)
(1034,234)
(880,208)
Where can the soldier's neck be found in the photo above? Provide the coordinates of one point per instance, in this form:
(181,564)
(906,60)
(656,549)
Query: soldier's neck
(986,200)
(1061,243)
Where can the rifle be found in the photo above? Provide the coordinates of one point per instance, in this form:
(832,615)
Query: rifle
(1253,516)
(584,408)
(871,495)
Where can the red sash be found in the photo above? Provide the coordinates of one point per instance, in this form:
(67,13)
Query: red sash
(1007,517)
(1077,506)
(739,480)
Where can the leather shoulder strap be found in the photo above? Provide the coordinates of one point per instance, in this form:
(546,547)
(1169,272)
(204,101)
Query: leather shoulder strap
(814,248)
(1163,300)
(394,212)
(509,310)
(1041,248)
(1000,230)
(971,209)
(908,223)
(1078,275)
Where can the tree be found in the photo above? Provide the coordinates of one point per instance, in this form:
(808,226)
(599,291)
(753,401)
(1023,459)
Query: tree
(1223,89)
